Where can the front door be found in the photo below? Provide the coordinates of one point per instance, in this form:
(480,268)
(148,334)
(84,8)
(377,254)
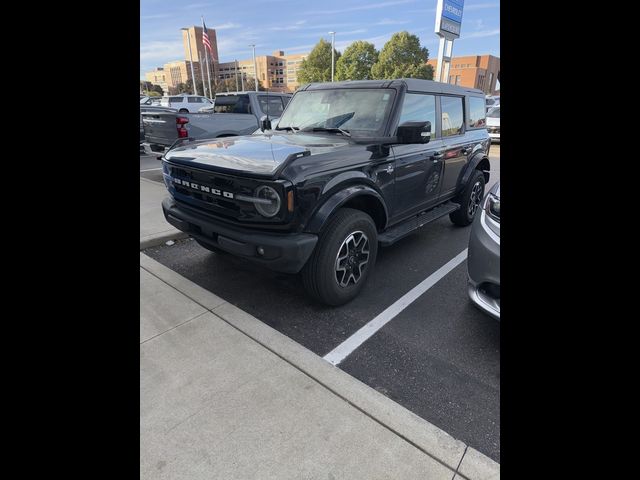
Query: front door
(418,167)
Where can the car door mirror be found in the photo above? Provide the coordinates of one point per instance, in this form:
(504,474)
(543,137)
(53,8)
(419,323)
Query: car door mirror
(265,123)
(414,132)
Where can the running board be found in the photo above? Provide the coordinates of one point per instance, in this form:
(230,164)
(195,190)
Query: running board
(409,226)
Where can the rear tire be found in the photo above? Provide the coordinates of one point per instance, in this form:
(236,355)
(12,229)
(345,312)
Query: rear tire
(343,259)
(470,200)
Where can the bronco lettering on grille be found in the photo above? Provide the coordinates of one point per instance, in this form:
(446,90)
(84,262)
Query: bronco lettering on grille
(202,188)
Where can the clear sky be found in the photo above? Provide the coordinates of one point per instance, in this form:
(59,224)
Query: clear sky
(295,26)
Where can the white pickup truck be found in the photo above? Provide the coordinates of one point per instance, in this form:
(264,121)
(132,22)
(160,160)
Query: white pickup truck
(233,114)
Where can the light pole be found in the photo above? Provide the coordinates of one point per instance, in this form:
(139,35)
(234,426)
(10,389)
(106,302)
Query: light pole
(333,48)
(193,75)
(255,66)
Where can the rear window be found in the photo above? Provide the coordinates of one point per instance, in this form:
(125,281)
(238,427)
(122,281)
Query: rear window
(232,104)
(476,112)
(270,105)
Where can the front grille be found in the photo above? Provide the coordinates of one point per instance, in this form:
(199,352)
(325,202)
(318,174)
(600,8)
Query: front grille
(214,193)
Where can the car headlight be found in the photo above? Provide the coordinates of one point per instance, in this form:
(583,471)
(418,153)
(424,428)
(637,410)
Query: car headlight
(270,205)
(492,207)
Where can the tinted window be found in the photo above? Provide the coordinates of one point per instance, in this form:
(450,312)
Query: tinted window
(232,104)
(452,116)
(175,99)
(476,112)
(194,99)
(273,107)
(419,108)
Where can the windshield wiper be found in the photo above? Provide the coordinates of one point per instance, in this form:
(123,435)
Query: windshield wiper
(293,129)
(327,129)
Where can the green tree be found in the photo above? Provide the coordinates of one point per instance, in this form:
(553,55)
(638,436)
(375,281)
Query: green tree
(402,57)
(229,85)
(157,89)
(317,66)
(356,61)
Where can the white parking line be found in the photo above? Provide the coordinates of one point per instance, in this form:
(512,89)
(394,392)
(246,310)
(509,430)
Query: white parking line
(151,169)
(343,350)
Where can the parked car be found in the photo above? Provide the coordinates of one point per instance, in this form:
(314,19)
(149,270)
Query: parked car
(185,103)
(483,260)
(153,108)
(493,124)
(234,114)
(350,166)
(492,101)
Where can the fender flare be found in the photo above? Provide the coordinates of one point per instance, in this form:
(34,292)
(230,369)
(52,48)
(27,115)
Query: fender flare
(322,214)
(471,166)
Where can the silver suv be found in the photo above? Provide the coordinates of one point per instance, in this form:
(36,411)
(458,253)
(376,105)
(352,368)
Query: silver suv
(186,103)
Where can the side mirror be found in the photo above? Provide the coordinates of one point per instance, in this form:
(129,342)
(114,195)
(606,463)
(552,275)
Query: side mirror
(265,123)
(414,132)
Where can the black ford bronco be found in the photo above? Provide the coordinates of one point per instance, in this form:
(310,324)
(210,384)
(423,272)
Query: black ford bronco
(350,165)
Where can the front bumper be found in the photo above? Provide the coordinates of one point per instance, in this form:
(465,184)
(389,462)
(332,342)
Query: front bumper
(495,137)
(285,253)
(483,263)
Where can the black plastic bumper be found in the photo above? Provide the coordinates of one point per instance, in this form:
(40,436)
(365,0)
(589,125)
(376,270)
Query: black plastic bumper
(285,253)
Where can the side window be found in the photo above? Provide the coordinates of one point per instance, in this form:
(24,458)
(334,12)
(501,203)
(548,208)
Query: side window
(476,112)
(452,116)
(270,105)
(418,107)
(175,99)
(242,105)
(194,99)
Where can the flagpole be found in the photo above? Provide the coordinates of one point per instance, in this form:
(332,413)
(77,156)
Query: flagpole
(237,76)
(204,87)
(193,77)
(207,57)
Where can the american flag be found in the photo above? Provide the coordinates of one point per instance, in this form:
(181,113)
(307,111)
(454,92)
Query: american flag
(205,38)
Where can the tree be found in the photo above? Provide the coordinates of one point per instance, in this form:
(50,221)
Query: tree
(157,89)
(356,61)
(402,57)
(317,66)
(229,85)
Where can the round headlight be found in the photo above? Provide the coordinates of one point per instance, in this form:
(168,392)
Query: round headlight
(271,208)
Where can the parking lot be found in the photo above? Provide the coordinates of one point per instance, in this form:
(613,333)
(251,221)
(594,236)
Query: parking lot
(439,357)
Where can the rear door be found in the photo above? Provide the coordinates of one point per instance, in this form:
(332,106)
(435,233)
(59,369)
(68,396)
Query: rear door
(418,167)
(457,146)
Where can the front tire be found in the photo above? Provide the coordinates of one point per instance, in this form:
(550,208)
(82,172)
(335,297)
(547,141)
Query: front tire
(470,200)
(343,258)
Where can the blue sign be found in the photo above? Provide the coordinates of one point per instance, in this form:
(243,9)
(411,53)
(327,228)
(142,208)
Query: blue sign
(452,9)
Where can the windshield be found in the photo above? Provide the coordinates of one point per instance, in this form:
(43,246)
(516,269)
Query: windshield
(494,112)
(361,112)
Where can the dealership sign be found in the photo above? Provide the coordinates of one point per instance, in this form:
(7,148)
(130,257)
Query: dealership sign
(449,18)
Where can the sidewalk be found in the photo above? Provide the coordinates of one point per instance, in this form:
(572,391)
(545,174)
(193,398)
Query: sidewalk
(222,395)
(154,229)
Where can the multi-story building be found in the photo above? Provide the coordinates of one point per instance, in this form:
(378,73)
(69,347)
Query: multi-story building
(157,76)
(179,72)
(197,47)
(277,72)
(475,71)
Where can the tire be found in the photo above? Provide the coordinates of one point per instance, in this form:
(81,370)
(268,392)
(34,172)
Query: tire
(470,200)
(210,248)
(183,110)
(349,231)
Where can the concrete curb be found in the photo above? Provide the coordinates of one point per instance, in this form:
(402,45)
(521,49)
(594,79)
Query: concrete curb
(160,238)
(466,462)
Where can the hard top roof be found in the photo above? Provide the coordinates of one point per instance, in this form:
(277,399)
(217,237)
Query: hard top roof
(413,85)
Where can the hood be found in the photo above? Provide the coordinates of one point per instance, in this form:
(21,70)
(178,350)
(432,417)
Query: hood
(255,154)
